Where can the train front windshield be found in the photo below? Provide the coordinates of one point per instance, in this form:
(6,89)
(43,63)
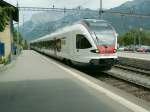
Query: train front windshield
(103,32)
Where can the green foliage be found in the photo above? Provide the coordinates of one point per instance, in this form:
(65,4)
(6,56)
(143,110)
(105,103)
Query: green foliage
(135,35)
(5,14)
(25,45)
(19,41)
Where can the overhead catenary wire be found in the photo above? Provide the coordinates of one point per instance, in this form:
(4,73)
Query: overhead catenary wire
(84,10)
(64,10)
(100,11)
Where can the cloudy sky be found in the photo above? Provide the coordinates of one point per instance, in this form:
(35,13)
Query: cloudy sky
(93,4)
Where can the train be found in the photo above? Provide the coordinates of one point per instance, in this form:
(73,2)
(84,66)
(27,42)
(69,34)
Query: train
(88,43)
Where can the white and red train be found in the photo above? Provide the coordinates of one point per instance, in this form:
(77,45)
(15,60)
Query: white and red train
(87,43)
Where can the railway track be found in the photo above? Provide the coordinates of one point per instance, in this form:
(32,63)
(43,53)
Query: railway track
(137,70)
(130,80)
(131,88)
(133,75)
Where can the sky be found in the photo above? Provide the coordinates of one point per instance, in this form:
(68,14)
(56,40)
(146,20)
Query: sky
(93,4)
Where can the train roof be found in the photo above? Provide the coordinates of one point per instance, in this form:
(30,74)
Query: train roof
(87,22)
(84,22)
(93,20)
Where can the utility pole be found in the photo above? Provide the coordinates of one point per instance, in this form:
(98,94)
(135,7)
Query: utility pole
(134,42)
(140,43)
(18,29)
(101,9)
(64,11)
(23,23)
(18,20)
(53,6)
(140,30)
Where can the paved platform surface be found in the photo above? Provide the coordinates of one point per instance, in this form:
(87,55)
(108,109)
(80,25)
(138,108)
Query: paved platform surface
(142,56)
(34,84)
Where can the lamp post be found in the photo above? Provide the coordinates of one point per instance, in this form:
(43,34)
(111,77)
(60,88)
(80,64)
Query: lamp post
(141,29)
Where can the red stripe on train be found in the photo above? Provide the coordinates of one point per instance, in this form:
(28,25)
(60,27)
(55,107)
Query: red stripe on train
(104,49)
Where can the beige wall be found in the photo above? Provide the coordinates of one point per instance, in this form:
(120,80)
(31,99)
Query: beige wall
(5,37)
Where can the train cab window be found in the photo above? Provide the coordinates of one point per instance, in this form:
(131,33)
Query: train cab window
(82,42)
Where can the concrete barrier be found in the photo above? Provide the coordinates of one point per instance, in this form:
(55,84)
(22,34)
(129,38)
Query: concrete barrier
(137,63)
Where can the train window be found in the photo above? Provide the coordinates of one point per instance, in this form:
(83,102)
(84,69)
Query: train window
(58,45)
(48,43)
(63,40)
(52,45)
(82,42)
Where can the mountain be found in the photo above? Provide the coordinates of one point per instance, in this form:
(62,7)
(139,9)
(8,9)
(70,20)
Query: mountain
(138,6)
(47,22)
(39,18)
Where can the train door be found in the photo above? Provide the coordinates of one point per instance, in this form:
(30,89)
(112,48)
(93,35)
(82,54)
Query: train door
(83,47)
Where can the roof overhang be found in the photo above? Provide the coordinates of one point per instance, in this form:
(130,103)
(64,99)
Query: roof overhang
(15,14)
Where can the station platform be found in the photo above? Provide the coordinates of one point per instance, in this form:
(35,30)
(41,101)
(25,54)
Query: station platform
(36,84)
(136,55)
(136,60)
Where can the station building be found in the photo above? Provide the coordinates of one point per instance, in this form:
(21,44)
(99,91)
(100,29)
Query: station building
(6,36)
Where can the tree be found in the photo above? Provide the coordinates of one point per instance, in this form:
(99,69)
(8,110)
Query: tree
(134,36)
(18,40)
(25,45)
(5,15)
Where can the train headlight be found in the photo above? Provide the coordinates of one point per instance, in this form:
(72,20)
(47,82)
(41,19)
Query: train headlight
(115,50)
(95,51)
